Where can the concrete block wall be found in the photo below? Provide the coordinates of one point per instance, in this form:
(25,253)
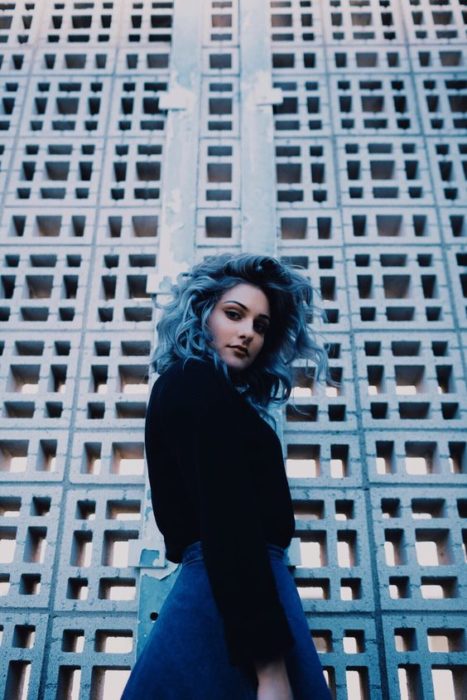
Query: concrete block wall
(138,137)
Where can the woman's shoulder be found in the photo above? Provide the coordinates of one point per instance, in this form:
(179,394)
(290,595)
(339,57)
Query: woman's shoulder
(192,389)
(191,376)
(188,367)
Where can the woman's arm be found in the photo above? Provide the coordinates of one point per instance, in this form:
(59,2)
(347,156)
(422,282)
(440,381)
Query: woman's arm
(273,681)
(232,537)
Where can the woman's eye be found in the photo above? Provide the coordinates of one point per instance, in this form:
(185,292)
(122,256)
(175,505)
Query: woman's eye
(232,314)
(261,329)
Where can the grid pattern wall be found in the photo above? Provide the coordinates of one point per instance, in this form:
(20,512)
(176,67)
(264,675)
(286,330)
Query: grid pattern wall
(81,149)
(369,147)
(138,137)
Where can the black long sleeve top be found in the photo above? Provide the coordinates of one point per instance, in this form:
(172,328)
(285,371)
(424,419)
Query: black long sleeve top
(217,475)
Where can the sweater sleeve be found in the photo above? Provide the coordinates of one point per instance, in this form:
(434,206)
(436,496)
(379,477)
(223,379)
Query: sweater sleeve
(232,538)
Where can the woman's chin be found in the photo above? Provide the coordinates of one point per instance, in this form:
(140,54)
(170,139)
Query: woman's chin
(237,366)
(237,363)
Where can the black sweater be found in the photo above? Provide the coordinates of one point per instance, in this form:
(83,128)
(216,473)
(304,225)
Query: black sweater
(217,475)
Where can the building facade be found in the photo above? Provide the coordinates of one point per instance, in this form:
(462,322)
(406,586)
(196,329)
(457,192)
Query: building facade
(138,137)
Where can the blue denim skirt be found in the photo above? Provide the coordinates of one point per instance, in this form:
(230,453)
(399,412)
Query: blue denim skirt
(186,657)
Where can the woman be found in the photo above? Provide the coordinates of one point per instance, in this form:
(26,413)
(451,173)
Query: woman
(232,627)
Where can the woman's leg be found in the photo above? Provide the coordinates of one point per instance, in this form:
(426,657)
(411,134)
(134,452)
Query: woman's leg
(302,661)
(185,657)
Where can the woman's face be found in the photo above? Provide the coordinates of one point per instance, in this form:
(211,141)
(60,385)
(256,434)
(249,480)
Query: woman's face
(238,324)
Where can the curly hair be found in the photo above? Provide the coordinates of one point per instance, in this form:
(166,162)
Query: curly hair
(183,331)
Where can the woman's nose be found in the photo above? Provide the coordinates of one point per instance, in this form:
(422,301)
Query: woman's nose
(247,329)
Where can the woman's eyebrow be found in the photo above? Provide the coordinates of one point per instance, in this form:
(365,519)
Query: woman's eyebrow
(232,301)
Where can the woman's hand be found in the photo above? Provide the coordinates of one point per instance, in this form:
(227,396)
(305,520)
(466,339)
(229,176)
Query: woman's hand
(273,681)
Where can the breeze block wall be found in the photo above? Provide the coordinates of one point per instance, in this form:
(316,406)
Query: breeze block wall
(138,137)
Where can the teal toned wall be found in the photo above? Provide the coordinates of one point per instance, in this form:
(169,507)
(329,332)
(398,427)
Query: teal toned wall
(137,137)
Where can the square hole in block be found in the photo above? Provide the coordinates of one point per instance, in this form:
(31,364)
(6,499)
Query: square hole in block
(13,455)
(433,547)
(35,545)
(351,589)
(10,506)
(339,462)
(40,505)
(446,640)
(302,382)
(69,682)
(133,379)
(7,544)
(124,510)
(114,641)
(316,589)
(438,587)
(357,683)
(85,510)
(322,640)
(4,584)
(108,682)
(405,639)
(376,379)
(117,589)
(409,379)
(30,584)
(347,548)
(294,228)
(394,547)
(448,683)
(81,548)
(313,549)
(220,61)
(457,457)
(344,510)
(78,588)
(390,507)
(144,226)
(73,640)
(24,379)
(17,680)
(427,508)
(409,681)
(47,456)
(309,510)
(117,547)
(399,587)
(303,461)
(421,457)
(127,458)
(353,641)
(91,462)
(24,636)
(218,226)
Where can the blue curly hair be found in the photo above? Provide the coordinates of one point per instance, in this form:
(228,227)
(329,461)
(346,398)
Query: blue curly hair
(183,332)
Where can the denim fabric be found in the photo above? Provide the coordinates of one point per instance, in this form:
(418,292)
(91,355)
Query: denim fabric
(186,657)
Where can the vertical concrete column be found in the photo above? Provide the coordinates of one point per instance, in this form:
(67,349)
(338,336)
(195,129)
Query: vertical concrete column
(176,254)
(258,176)
(257,130)
(177,241)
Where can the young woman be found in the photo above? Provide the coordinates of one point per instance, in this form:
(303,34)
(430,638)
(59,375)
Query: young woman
(232,627)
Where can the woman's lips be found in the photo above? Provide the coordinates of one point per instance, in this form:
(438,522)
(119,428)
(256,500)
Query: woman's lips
(243,351)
